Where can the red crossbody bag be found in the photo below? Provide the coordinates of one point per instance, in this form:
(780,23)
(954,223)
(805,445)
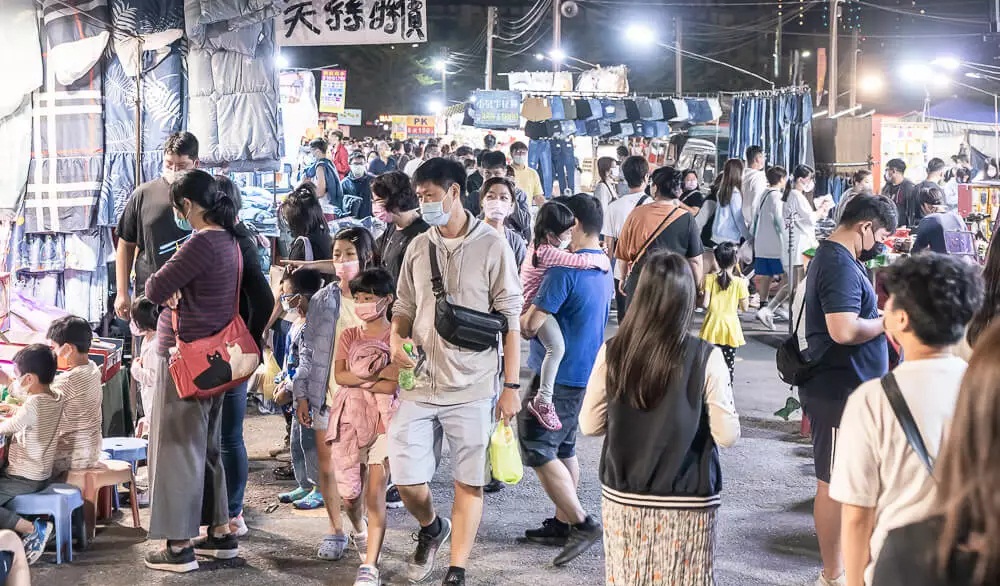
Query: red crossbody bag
(210,366)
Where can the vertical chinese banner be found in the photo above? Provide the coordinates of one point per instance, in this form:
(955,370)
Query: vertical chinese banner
(333,91)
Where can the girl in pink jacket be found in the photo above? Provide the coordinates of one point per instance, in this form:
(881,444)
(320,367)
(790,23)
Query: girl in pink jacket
(360,415)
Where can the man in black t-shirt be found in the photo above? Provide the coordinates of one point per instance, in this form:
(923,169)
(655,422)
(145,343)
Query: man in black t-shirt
(395,203)
(902,192)
(149,232)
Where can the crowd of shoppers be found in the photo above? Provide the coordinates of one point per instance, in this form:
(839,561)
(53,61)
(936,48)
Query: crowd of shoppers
(352,312)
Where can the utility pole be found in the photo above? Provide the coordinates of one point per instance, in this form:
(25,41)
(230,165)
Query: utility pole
(491,16)
(678,58)
(444,77)
(834,23)
(556,33)
(777,51)
(855,51)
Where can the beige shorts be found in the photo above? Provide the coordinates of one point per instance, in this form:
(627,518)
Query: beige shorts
(378,452)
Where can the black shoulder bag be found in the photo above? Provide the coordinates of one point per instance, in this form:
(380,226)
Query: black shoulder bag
(793,366)
(905,418)
(461,326)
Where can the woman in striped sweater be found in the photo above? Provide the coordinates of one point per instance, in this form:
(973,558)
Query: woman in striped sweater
(664,401)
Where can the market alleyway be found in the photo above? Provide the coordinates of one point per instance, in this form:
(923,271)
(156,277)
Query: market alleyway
(765,531)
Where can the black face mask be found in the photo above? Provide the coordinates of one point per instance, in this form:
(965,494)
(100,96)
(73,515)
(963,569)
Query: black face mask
(872,253)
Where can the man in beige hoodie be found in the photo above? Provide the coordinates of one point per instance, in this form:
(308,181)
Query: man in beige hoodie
(458,394)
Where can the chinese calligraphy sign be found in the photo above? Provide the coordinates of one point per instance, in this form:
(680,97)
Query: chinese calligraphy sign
(352,22)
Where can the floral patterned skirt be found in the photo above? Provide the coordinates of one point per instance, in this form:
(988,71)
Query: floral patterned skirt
(658,547)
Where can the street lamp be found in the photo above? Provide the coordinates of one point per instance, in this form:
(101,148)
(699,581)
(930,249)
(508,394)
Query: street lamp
(954,64)
(281,61)
(806,54)
(949,63)
(645,35)
(435,107)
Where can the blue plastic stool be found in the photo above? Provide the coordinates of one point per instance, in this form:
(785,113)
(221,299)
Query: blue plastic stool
(125,449)
(58,501)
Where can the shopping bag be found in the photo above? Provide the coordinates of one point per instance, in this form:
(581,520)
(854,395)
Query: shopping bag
(505,459)
(269,373)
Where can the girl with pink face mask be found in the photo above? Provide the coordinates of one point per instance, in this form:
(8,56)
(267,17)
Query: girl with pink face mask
(360,414)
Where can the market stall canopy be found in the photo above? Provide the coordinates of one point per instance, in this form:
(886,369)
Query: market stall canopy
(972,120)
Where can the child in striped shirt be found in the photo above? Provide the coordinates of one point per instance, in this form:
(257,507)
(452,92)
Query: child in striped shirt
(78,445)
(34,427)
(552,238)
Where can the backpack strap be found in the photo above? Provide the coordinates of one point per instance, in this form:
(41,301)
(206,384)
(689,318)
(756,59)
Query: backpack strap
(437,283)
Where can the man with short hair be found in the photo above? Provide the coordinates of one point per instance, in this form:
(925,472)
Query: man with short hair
(580,301)
(879,479)
(846,346)
(148,225)
(458,392)
(635,171)
(754,182)
(401,154)
(383,163)
(338,152)
(323,173)
(395,203)
(489,142)
(357,186)
(902,192)
(936,168)
(526,177)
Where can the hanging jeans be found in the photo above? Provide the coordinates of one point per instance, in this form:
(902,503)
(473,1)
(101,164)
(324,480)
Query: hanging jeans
(564,162)
(540,159)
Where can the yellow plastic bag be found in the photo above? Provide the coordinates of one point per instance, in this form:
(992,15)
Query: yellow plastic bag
(269,370)
(505,458)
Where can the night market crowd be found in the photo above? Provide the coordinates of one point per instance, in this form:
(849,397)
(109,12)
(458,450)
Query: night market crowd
(389,341)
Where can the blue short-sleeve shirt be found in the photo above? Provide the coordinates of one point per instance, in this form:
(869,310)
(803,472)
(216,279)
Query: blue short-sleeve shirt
(838,283)
(580,300)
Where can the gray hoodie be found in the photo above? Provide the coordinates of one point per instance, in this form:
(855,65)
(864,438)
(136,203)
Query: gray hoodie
(479,272)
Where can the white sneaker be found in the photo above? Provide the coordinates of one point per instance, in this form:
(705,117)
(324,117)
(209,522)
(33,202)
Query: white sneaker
(238,527)
(766,317)
(781,313)
(823,581)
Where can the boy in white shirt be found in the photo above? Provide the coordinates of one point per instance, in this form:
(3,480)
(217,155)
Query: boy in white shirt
(877,476)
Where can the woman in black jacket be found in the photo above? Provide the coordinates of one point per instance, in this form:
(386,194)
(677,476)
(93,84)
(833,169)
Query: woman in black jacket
(256,303)
(664,401)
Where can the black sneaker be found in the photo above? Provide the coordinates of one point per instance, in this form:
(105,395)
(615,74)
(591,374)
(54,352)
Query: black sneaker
(284,473)
(422,563)
(553,532)
(220,548)
(167,561)
(392,498)
(493,486)
(581,537)
(454,579)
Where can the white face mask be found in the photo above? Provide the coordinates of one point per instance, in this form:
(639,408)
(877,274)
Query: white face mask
(358,170)
(434,214)
(564,244)
(520,159)
(495,209)
(169,175)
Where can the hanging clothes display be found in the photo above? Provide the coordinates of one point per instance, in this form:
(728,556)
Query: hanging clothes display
(162,114)
(67,145)
(779,121)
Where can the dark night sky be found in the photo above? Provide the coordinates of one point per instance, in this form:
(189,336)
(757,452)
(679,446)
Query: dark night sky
(399,79)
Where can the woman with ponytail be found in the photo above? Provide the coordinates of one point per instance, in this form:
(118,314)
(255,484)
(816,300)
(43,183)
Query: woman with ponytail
(201,284)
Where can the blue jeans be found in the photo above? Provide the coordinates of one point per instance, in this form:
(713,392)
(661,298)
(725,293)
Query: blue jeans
(234,450)
(540,159)
(564,162)
(305,460)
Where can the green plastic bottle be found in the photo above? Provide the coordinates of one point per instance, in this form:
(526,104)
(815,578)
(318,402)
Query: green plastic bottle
(407,377)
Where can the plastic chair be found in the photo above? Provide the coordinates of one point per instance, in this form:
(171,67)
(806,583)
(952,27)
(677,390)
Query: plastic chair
(126,449)
(91,480)
(58,501)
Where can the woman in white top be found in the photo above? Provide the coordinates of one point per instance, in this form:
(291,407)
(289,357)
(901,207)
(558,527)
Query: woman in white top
(606,190)
(802,217)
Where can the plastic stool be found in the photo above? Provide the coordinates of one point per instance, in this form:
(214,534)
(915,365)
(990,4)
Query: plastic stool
(91,480)
(126,449)
(58,501)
